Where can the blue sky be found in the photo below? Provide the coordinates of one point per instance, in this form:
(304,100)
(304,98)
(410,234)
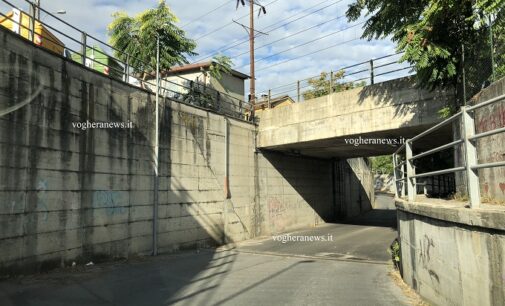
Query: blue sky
(93,16)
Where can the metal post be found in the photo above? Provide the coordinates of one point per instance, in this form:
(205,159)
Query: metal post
(218,101)
(83,48)
(491,47)
(472,176)
(156,148)
(411,182)
(404,182)
(298,91)
(37,9)
(331,83)
(31,25)
(269,98)
(127,69)
(395,176)
(463,72)
(372,81)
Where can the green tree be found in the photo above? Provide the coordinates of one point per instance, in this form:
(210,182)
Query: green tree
(137,37)
(320,86)
(498,29)
(382,164)
(433,35)
(220,65)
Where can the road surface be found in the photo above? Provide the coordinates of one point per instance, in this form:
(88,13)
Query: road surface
(350,270)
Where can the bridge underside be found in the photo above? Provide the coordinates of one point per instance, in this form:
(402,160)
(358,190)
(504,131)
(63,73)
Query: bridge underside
(339,147)
(367,121)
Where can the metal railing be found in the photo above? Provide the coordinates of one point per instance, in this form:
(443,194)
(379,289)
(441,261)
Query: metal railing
(368,72)
(185,91)
(405,171)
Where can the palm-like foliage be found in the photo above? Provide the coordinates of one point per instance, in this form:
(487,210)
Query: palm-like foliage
(136,38)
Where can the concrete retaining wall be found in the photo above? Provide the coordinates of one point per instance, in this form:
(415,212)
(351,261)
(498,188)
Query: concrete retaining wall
(354,187)
(489,149)
(453,255)
(69,194)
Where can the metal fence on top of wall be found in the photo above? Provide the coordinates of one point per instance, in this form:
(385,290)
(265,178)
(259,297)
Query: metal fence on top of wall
(61,37)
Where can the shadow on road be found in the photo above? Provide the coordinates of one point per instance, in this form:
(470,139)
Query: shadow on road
(375,217)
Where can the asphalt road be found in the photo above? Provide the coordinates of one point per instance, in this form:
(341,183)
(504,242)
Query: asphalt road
(351,270)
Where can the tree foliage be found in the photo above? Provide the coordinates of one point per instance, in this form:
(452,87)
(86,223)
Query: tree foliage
(498,29)
(137,37)
(382,164)
(433,34)
(320,86)
(220,65)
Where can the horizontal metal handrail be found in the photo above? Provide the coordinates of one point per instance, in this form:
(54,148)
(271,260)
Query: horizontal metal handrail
(471,165)
(432,173)
(490,101)
(125,65)
(437,149)
(488,165)
(488,133)
(437,126)
(392,71)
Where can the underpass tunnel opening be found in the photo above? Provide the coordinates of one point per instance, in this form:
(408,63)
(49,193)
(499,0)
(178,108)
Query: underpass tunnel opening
(340,182)
(364,191)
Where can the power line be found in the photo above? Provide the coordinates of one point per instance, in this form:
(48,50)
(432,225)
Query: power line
(228,24)
(299,18)
(269,31)
(345,68)
(206,14)
(311,53)
(289,36)
(306,43)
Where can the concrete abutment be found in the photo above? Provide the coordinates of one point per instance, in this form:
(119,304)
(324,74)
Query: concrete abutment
(79,194)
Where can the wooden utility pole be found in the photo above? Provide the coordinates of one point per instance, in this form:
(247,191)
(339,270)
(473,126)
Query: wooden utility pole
(252,83)
(252,33)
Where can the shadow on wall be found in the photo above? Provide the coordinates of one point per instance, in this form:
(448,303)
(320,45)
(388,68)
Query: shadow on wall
(402,93)
(353,188)
(296,192)
(87,194)
(305,191)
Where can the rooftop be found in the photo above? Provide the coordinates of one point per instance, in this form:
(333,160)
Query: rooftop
(197,67)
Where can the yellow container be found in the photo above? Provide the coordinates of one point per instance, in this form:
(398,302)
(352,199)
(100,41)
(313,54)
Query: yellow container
(20,23)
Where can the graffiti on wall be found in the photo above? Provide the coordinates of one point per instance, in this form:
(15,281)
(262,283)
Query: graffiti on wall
(491,150)
(110,200)
(276,211)
(491,120)
(42,188)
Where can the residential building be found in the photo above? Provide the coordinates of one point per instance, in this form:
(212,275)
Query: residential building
(263,103)
(179,81)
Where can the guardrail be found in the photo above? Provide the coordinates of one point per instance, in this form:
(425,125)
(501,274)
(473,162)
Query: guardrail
(368,72)
(405,171)
(80,44)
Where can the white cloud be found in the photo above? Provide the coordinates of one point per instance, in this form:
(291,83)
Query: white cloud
(93,16)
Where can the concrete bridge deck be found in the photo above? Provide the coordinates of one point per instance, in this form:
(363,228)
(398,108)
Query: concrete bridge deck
(319,127)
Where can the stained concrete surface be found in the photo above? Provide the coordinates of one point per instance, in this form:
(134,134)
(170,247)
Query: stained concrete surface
(212,278)
(261,272)
(363,238)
